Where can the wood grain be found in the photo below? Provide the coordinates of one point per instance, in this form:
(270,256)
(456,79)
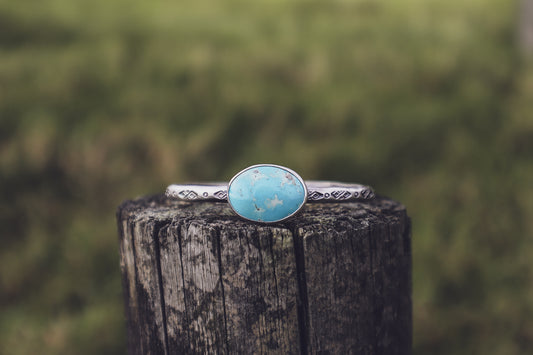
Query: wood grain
(334,280)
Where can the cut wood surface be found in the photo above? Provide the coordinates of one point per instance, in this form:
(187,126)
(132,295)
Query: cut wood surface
(336,279)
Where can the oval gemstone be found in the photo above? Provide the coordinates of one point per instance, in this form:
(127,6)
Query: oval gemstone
(266,193)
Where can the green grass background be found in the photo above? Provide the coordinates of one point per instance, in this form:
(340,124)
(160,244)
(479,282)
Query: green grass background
(429,101)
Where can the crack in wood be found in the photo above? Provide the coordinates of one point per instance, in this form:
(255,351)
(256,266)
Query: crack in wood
(180,251)
(220,272)
(271,249)
(158,229)
(303,306)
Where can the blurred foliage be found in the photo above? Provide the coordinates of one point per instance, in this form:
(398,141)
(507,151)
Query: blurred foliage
(429,101)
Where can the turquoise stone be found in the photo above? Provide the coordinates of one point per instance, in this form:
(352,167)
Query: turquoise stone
(266,193)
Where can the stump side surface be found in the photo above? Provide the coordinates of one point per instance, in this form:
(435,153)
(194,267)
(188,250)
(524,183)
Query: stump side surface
(197,279)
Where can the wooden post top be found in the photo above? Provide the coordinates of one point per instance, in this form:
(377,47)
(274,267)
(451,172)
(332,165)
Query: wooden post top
(198,279)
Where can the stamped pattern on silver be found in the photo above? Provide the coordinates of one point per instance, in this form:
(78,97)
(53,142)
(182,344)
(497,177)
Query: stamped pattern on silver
(316,191)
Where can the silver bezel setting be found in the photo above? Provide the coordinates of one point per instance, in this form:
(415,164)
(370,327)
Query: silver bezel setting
(292,172)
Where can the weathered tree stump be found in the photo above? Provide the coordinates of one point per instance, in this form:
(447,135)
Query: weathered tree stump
(334,280)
